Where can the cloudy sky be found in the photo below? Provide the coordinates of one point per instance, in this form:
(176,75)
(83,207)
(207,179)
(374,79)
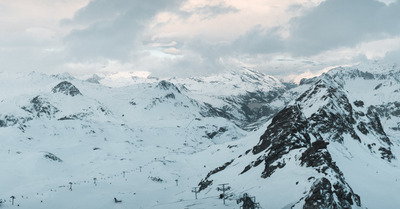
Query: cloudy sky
(284,38)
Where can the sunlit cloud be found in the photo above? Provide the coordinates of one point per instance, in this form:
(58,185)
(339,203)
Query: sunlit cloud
(283,38)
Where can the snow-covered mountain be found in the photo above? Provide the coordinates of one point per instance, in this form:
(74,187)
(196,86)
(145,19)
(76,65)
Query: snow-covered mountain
(243,97)
(331,142)
(57,129)
(336,145)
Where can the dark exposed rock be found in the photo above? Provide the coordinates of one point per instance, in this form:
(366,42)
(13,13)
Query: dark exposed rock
(287,131)
(165,85)
(170,96)
(204,183)
(214,133)
(319,158)
(366,75)
(246,109)
(104,110)
(156,179)
(323,196)
(132,102)
(336,115)
(78,116)
(320,196)
(332,119)
(52,157)
(386,154)
(11,120)
(358,103)
(288,128)
(312,91)
(388,110)
(376,125)
(66,88)
(362,128)
(378,86)
(40,107)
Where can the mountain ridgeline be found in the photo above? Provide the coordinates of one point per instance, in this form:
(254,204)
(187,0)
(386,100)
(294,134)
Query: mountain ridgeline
(333,141)
(347,112)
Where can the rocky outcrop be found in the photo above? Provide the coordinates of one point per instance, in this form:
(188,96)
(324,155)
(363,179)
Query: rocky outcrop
(52,157)
(40,108)
(66,88)
(206,182)
(321,115)
(324,195)
(165,85)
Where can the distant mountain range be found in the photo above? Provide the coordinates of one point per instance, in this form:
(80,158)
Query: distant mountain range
(332,141)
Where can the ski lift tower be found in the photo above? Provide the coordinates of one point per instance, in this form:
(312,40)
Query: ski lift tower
(249,202)
(224,188)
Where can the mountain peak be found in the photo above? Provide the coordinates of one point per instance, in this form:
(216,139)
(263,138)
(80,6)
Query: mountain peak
(166,85)
(66,88)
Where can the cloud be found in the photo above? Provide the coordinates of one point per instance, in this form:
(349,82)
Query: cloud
(330,25)
(212,11)
(193,37)
(112,28)
(259,40)
(342,23)
(393,56)
(333,32)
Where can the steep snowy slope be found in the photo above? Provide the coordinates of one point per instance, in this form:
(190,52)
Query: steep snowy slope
(242,96)
(332,142)
(335,146)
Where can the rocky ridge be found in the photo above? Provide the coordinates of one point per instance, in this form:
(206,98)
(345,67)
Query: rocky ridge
(325,117)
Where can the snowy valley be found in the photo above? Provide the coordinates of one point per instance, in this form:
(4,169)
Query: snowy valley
(332,141)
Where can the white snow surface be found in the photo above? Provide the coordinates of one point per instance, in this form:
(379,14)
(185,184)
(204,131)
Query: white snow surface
(374,179)
(150,150)
(136,137)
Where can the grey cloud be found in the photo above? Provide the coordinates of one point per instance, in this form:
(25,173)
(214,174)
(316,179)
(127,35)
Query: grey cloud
(199,57)
(100,10)
(114,30)
(113,27)
(393,56)
(210,12)
(338,23)
(113,40)
(259,41)
(330,25)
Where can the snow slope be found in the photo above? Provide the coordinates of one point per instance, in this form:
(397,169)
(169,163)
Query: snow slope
(131,141)
(332,142)
(335,145)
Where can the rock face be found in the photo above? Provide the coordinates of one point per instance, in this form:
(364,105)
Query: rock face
(66,88)
(243,97)
(288,131)
(321,196)
(165,85)
(52,157)
(40,108)
(330,112)
(247,109)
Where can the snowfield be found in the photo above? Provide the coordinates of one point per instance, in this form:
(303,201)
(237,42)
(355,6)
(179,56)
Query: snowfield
(151,142)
